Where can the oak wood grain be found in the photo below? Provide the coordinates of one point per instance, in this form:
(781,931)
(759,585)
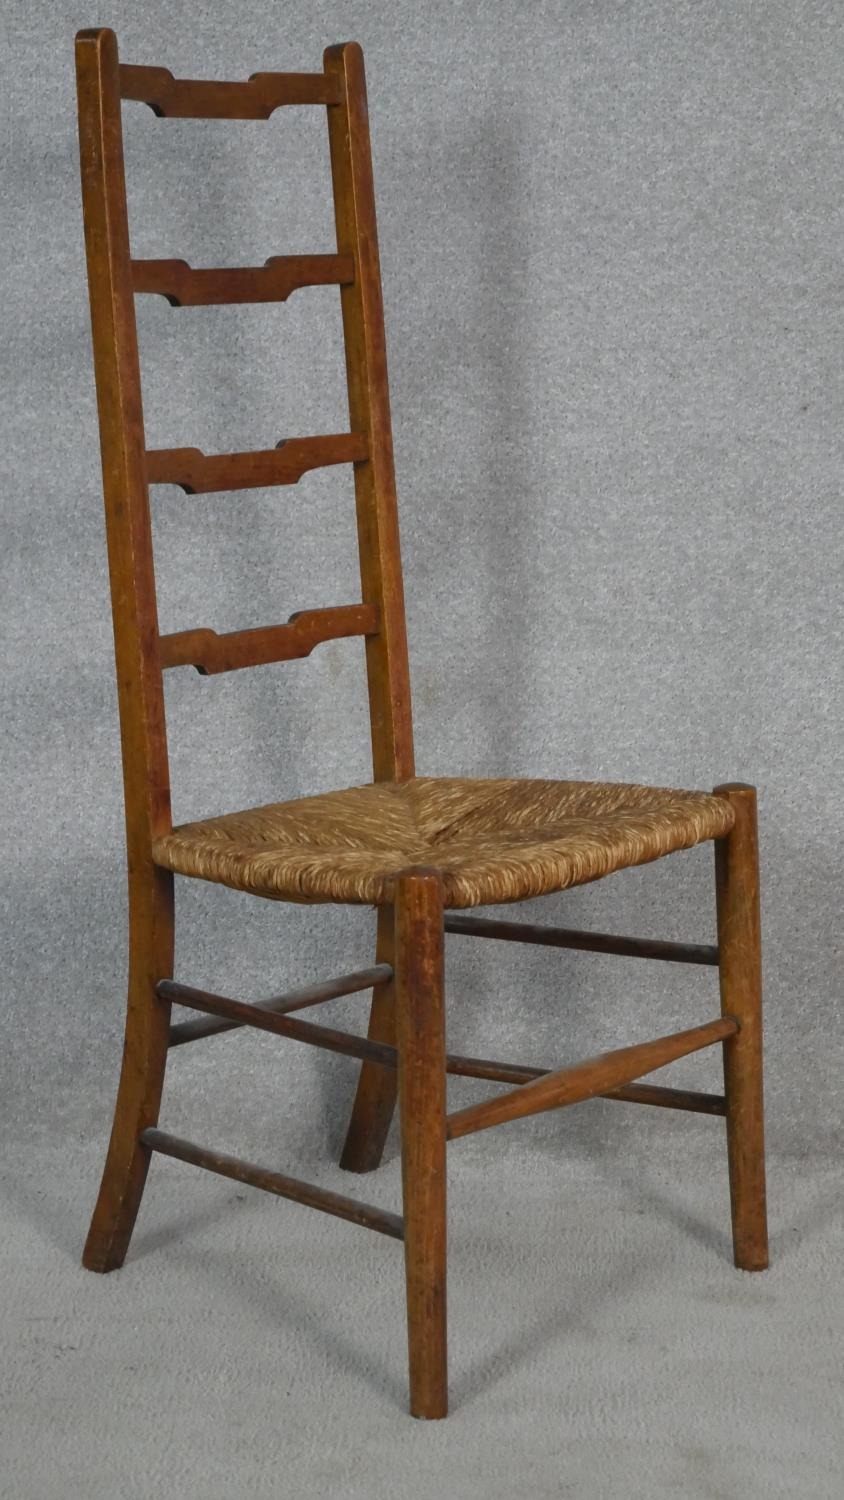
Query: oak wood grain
(206,286)
(739,938)
(293,1000)
(146,779)
(597,1075)
(375,1097)
(264,1019)
(211,653)
(208,99)
(588,942)
(388,671)
(199,473)
(420,1037)
(631,1093)
(405,1047)
(307,1193)
(379,549)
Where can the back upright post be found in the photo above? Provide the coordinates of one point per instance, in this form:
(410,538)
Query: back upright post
(378,536)
(369,409)
(140,694)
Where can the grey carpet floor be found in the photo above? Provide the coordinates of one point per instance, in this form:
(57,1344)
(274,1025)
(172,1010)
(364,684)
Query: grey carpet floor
(602,1344)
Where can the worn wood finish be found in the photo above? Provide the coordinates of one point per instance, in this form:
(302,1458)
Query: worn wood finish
(405,1047)
(739,938)
(365,1214)
(199,473)
(293,1000)
(588,942)
(388,672)
(383,1056)
(692,1101)
(140,696)
(208,99)
(420,1035)
(279,1024)
(151,933)
(631,1093)
(207,286)
(211,653)
(598,1075)
(128,530)
(375,1098)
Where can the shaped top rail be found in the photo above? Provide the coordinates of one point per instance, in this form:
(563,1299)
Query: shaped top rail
(209,99)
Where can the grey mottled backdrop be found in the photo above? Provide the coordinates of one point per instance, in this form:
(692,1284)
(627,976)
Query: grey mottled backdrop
(612,242)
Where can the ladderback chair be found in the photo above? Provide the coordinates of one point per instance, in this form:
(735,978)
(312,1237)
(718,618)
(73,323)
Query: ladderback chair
(412,847)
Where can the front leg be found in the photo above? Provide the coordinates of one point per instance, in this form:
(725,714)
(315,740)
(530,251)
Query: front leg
(740,968)
(420,1035)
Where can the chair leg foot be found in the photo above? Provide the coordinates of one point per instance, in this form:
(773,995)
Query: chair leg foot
(375,1098)
(737,893)
(117,1206)
(141,1075)
(420,1029)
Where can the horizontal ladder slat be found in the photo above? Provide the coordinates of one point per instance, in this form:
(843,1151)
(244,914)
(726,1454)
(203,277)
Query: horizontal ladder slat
(598,1075)
(199,473)
(589,942)
(365,1214)
(211,653)
(280,1025)
(210,99)
(207,286)
(299,999)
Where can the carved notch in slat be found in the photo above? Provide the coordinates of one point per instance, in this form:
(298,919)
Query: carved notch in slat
(211,653)
(199,473)
(208,99)
(188,286)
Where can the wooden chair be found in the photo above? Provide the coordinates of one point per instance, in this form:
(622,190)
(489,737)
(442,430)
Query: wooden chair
(412,847)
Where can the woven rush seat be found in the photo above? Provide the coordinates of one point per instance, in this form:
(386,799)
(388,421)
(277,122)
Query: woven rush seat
(493,840)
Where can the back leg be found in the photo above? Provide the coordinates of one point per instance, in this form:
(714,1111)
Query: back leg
(142,1071)
(375,1099)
